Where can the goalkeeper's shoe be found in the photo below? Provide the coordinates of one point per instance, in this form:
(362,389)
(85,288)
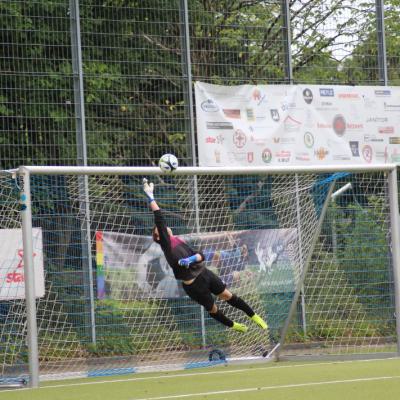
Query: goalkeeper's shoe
(259,321)
(239,327)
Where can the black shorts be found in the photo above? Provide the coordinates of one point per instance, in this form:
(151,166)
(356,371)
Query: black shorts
(203,287)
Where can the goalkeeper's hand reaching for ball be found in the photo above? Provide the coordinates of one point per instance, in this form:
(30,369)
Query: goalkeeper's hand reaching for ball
(148,188)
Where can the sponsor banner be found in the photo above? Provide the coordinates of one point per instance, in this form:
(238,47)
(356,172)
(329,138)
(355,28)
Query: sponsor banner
(296,124)
(133,266)
(12,276)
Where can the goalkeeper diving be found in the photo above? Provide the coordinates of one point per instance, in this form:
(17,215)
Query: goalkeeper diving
(198,282)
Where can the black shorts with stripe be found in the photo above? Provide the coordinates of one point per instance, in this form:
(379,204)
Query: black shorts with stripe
(203,288)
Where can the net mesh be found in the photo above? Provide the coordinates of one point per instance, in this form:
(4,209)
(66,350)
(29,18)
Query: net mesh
(112,305)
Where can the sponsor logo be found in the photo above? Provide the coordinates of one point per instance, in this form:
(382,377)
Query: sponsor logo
(302,157)
(219,125)
(212,139)
(275,114)
(283,156)
(326,92)
(309,119)
(333,143)
(209,106)
(257,141)
(369,103)
(260,129)
(284,140)
(355,152)
(382,155)
(308,139)
(240,157)
(367,153)
(386,129)
(326,106)
(258,96)
(352,125)
(395,156)
(220,139)
(250,114)
(321,153)
(266,156)
(394,140)
(391,107)
(217,155)
(323,125)
(250,157)
(15,276)
(308,96)
(339,125)
(288,105)
(340,157)
(231,113)
(239,138)
(372,138)
(291,124)
(383,93)
(349,96)
(377,119)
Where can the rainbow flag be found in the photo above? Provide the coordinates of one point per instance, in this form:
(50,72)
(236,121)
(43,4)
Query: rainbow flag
(101,286)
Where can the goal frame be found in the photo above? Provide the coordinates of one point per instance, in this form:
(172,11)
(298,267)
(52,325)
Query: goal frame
(24,174)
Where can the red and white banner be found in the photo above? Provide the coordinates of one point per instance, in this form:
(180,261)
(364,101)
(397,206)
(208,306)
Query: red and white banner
(297,125)
(12,277)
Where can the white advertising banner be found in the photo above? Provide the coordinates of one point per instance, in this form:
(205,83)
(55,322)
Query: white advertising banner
(297,124)
(135,266)
(12,277)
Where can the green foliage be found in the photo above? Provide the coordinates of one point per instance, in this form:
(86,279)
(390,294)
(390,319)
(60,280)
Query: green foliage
(363,250)
(134,77)
(349,289)
(120,329)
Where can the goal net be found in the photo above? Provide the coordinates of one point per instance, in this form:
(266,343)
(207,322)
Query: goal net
(309,252)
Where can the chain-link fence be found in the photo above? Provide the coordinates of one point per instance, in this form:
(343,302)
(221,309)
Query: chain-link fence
(110,82)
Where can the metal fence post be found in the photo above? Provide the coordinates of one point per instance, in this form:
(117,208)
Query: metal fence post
(188,95)
(380,30)
(81,146)
(29,277)
(395,245)
(287,40)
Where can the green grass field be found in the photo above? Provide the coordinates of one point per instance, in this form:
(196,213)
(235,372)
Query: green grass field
(353,380)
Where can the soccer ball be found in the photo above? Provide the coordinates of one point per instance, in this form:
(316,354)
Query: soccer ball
(168,163)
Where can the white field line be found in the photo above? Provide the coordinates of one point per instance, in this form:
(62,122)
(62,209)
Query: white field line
(211,372)
(256,389)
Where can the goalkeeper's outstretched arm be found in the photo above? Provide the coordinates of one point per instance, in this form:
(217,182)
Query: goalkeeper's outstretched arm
(164,235)
(148,189)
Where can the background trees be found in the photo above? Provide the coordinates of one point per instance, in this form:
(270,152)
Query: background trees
(134,73)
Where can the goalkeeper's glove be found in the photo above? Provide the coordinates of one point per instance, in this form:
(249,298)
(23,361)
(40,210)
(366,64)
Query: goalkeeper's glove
(148,190)
(188,261)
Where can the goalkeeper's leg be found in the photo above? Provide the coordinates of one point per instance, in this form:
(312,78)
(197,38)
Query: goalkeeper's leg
(238,302)
(199,291)
(219,316)
(218,287)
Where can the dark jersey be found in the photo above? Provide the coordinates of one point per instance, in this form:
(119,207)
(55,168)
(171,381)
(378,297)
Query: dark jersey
(174,249)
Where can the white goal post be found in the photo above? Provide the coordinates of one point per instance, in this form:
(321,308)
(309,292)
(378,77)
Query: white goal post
(297,238)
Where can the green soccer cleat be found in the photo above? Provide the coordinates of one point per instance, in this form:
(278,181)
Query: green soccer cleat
(239,327)
(259,321)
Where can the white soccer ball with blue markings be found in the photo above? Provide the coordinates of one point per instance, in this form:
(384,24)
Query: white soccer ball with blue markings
(168,163)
